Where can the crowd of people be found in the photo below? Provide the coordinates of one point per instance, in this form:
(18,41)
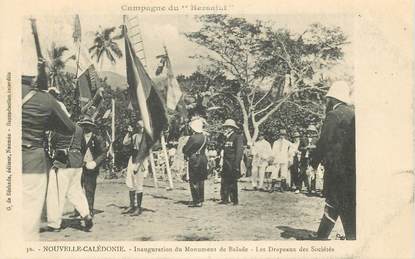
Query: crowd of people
(315,163)
(323,164)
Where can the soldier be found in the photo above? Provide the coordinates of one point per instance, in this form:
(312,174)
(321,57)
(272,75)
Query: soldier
(95,153)
(194,152)
(295,165)
(135,171)
(65,179)
(336,150)
(232,156)
(261,152)
(307,147)
(40,112)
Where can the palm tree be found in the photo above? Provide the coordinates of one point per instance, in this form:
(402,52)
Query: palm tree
(57,64)
(104,43)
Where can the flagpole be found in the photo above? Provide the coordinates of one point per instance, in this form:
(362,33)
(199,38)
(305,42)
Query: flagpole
(153,168)
(113,134)
(166,155)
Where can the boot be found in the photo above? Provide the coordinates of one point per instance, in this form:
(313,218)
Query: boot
(273,182)
(88,222)
(284,186)
(138,210)
(327,224)
(132,203)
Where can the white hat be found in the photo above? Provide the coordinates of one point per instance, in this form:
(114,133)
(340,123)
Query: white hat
(230,123)
(340,90)
(197,125)
(140,123)
(312,128)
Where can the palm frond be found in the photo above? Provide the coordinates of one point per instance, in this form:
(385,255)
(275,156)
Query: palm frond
(110,56)
(116,49)
(107,32)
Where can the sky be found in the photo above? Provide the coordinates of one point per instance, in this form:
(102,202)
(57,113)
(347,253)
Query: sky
(157,30)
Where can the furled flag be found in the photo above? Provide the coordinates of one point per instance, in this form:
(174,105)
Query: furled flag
(174,93)
(77,29)
(145,99)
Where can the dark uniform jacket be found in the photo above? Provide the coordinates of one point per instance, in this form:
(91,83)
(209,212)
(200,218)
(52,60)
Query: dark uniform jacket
(307,149)
(71,146)
(336,150)
(197,159)
(232,155)
(41,113)
(98,150)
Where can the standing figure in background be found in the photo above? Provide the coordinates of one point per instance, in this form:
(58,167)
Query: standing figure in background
(212,154)
(337,151)
(295,155)
(261,152)
(232,156)
(135,171)
(95,153)
(281,152)
(179,164)
(40,112)
(195,153)
(307,147)
(248,159)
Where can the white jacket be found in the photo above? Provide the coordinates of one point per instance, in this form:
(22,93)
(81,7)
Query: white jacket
(282,151)
(261,150)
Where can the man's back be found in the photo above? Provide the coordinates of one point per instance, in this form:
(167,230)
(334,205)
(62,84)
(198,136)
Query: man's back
(40,113)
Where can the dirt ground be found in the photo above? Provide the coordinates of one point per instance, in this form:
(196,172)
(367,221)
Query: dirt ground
(166,217)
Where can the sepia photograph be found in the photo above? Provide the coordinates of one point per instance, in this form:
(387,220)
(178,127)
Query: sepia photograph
(212,127)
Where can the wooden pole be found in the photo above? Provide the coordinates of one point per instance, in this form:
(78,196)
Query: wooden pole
(113,134)
(166,156)
(153,168)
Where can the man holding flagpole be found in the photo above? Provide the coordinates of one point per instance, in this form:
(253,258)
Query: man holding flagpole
(146,100)
(135,171)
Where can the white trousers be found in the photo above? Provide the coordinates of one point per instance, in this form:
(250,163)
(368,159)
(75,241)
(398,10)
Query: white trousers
(34,191)
(258,173)
(285,173)
(135,181)
(65,183)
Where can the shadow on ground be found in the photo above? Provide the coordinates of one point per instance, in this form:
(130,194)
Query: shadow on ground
(298,234)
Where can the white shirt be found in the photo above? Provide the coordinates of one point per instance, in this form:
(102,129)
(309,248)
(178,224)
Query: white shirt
(281,150)
(88,155)
(262,150)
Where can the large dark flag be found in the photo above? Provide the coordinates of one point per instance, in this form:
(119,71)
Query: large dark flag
(145,99)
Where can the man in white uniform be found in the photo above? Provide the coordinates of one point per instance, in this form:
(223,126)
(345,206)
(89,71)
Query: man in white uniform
(65,179)
(281,151)
(261,152)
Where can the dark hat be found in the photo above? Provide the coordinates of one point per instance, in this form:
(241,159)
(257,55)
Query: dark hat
(87,121)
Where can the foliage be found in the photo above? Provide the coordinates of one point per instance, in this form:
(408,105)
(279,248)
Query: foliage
(266,69)
(56,65)
(104,43)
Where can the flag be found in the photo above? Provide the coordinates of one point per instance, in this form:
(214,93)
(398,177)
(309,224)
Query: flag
(88,84)
(173,93)
(162,64)
(145,99)
(77,29)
